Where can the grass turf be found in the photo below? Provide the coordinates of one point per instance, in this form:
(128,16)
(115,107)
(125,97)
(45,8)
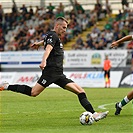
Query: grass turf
(57,111)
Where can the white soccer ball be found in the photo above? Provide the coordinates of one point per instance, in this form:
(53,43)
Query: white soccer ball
(86,118)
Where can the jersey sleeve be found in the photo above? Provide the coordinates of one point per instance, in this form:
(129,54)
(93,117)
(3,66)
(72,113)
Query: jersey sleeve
(51,40)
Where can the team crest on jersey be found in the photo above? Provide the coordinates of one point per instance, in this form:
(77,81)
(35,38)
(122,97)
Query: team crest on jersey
(61,45)
(49,40)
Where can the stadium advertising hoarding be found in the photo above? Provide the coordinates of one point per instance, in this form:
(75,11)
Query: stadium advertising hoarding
(89,79)
(94,58)
(127,78)
(72,59)
(30,59)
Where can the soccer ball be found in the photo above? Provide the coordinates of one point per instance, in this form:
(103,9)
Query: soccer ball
(86,118)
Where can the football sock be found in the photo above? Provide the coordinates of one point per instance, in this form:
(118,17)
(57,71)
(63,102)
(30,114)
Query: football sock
(24,89)
(109,82)
(124,101)
(85,103)
(106,81)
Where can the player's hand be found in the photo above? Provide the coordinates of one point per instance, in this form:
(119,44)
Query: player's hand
(34,46)
(42,65)
(114,45)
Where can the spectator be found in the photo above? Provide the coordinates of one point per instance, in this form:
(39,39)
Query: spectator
(102,40)
(61,7)
(59,13)
(1,45)
(131,23)
(108,7)
(109,36)
(31,30)
(85,22)
(116,32)
(119,37)
(13,45)
(120,25)
(78,7)
(108,26)
(130,46)
(94,35)
(119,15)
(79,43)
(93,18)
(125,31)
(8,21)
(50,7)
(98,8)
(89,42)
(14,9)
(31,12)
(41,12)
(50,11)
(69,33)
(24,9)
(124,3)
(75,25)
(96,29)
(2,42)
(1,13)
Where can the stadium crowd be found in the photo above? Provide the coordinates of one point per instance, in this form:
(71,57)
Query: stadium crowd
(115,28)
(23,26)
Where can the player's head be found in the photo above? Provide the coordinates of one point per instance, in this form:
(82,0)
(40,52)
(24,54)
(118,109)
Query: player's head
(60,25)
(106,57)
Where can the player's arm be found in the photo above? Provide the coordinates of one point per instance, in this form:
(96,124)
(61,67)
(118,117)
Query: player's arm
(124,39)
(36,45)
(48,49)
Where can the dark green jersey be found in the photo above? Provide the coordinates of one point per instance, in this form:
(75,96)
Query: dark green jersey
(55,58)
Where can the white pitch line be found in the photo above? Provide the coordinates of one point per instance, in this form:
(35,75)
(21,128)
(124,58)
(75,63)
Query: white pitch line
(104,105)
(19,112)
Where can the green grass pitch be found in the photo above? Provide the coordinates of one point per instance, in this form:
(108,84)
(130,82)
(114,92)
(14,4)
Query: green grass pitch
(57,111)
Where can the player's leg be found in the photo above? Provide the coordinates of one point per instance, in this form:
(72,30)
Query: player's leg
(69,85)
(73,87)
(42,83)
(108,78)
(124,101)
(36,90)
(24,89)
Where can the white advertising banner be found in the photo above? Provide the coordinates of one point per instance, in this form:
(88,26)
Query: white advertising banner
(89,79)
(94,58)
(72,59)
(21,59)
(28,78)
(94,78)
(7,76)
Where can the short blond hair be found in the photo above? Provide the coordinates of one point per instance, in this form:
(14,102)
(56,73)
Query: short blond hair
(61,19)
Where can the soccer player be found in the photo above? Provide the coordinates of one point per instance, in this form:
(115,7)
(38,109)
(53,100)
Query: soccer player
(52,70)
(107,67)
(129,96)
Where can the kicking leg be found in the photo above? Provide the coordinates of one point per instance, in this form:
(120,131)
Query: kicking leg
(24,89)
(73,87)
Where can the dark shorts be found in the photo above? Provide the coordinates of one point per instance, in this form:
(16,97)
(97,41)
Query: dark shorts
(107,73)
(50,76)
